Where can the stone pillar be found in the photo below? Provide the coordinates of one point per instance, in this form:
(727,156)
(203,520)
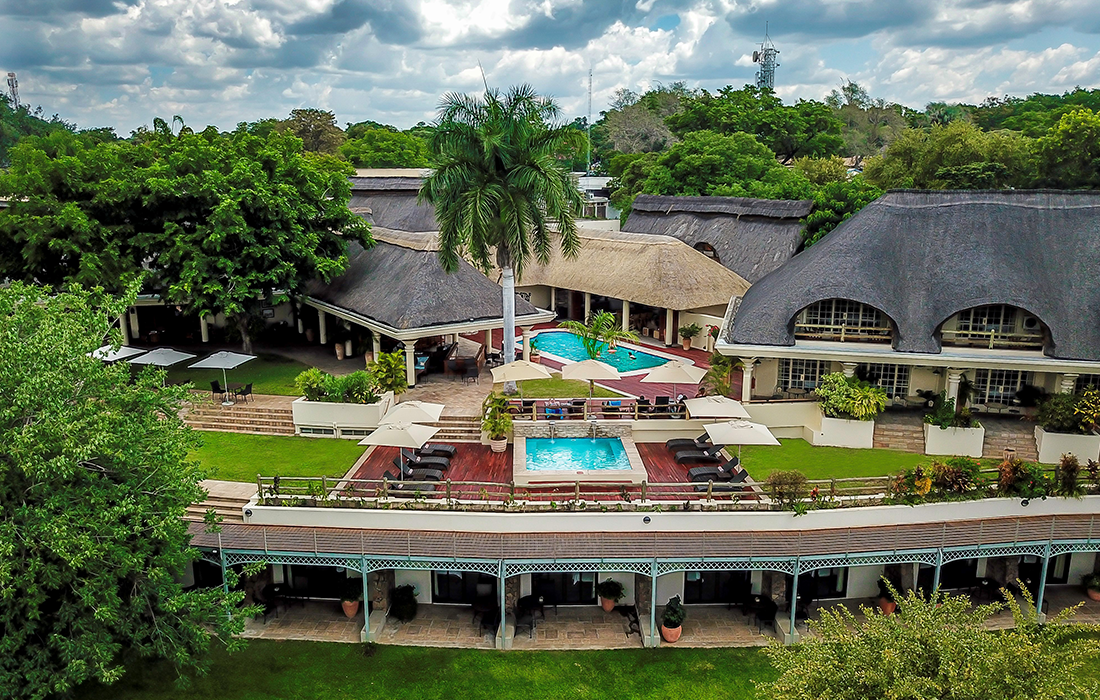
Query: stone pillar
(204,329)
(380,583)
(125,327)
(376,343)
(322,325)
(410,362)
(1068,384)
(747,363)
(643,593)
(849,369)
(526,344)
(774,585)
(587,306)
(511,592)
(954,376)
(626,315)
(670,328)
(135,330)
(488,340)
(554,299)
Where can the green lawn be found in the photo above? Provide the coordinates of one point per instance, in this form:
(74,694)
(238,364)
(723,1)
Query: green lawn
(558,388)
(269,374)
(307,670)
(825,462)
(234,457)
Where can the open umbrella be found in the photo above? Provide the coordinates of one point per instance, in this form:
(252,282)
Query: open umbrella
(675,372)
(715,407)
(404,435)
(740,432)
(413,412)
(223,360)
(108,354)
(519,371)
(161,357)
(590,371)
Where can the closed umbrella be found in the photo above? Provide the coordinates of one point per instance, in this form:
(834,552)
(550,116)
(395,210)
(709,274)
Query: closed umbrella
(715,407)
(675,372)
(413,412)
(404,435)
(519,371)
(108,353)
(223,360)
(590,371)
(740,432)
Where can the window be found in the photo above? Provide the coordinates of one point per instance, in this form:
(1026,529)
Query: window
(894,379)
(995,326)
(708,250)
(701,587)
(997,385)
(841,319)
(565,589)
(461,586)
(317,431)
(1087,381)
(800,374)
(821,583)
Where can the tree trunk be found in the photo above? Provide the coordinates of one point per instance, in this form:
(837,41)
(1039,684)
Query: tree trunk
(508,290)
(246,339)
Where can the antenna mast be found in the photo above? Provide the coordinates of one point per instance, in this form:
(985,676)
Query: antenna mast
(13,88)
(588,124)
(765,77)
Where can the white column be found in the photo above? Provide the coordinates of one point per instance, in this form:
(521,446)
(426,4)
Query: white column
(746,382)
(204,328)
(954,376)
(1068,384)
(526,344)
(298,315)
(322,324)
(488,340)
(626,315)
(849,369)
(553,298)
(410,362)
(670,330)
(376,341)
(125,327)
(135,330)
(587,306)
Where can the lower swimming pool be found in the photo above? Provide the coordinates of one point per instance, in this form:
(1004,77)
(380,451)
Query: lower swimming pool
(568,347)
(575,454)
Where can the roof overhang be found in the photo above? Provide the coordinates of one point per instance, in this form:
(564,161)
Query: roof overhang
(403,334)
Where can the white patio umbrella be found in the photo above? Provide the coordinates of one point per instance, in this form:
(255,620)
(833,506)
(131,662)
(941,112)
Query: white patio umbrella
(223,360)
(590,371)
(161,357)
(404,435)
(519,371)
(108,354)
(413,412)
(675,372)
(715,407)
(740,432)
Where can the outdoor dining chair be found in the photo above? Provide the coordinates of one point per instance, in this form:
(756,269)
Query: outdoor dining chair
(216,391)
(244,392)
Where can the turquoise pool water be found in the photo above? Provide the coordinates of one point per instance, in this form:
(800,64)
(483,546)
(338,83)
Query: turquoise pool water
(575,454)
(568,346)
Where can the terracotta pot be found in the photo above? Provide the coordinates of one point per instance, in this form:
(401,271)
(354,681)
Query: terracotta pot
(498,445)
(309,335)
(888,607)
(339,351)
(536,357)
(670,635)
(686,342)
(1093,593)
(351,607)
(607,604)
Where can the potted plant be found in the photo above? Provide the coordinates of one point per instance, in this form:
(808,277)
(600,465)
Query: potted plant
(353,593)
(688,332)
(952,431)
(672,620)
(1092,586)
(712,337)
(610,592)
(848,409)
(403,604)
(496,422)
(536,356)
(886,602)
(1067,425)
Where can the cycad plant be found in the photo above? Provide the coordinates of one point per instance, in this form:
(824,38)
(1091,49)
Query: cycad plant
(602,330)
(499,189)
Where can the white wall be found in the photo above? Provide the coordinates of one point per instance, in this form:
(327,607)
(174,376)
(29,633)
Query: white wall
(624,577)
(537,294)
(687,318)
(1081,564)
(923,379)
(863,581)
(765,377)
(669,585)
(420,580)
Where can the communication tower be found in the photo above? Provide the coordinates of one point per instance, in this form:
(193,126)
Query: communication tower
(765,56)
(13,88)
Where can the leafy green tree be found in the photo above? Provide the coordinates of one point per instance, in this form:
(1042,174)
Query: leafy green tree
(359,129)
(835,203)
(18,121)
(1034,115)
(706,162)
(720,376)
(1070,151)
(935,649)
(382,148)
(820,171)
(94,484)
(867,125)
(498,183)
(317,129)
(390,373)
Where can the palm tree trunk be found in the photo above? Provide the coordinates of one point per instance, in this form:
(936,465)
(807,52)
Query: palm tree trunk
(508,347)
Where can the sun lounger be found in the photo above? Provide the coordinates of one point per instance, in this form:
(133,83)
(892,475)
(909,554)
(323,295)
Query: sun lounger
(719,487)
(405,489)
(678,444)
(722,473)
(422,461)
(437,449)
(698,457)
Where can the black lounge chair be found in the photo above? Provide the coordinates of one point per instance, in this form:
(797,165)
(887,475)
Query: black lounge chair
(405,489)
(420,474)
(718,487)
(437,449)
(680,444)
(708,456)
(722,473)
(421,462)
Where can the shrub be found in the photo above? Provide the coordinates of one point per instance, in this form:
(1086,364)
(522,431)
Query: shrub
(357,387)
(1058,414)
(495,419)
(1091,582)
(690,331)
(1088,410)
(865,401)
(787,488)
(1016,477)
(610,589)
(403,603)
(674,613)
(1069,469)
(944,414)
(389,372)
(956,476)
(311,384)
(848,397)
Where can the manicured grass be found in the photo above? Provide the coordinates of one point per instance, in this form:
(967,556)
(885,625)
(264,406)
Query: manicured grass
(825,462)
(558,388)
(269,374)
(234,457)
(308,670)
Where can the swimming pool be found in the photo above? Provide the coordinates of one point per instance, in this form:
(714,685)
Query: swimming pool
(575,454)
(567,347)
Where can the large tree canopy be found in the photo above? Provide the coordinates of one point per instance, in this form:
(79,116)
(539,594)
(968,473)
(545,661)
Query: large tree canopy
(1070,151)
(385,148)
(94,484)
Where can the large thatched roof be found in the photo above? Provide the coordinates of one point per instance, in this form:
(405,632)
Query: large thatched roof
(387,198)
(655,270)
(752,237)
(920,257)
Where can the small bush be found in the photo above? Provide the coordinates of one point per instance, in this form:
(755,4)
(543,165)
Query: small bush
(1069,469)
(674,613)
(403,603)
(311,384)
(956,476)
(1058,414)
(610,589)
(787,488)
(848,397)
(1022,479)
(357,387)
(943,414)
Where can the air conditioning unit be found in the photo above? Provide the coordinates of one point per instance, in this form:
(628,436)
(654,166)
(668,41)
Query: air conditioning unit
(1031,323)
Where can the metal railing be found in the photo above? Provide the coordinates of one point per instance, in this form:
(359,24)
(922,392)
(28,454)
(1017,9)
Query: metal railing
(586,409)
(843,333)
(993,339)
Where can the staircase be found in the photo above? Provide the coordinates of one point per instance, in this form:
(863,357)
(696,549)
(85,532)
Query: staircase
(899,432)
(457,429)
(241,418)
(227,499)
(1001,433)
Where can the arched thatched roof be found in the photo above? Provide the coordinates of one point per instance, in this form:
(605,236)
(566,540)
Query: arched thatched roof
(923,256)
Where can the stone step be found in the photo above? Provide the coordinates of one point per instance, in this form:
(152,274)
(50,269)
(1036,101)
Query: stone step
(244,430)
(257,413)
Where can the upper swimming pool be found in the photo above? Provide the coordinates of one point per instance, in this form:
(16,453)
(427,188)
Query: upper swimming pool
(568,347)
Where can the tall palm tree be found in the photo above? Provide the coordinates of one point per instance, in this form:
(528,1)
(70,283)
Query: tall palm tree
(499,187)
(601,331)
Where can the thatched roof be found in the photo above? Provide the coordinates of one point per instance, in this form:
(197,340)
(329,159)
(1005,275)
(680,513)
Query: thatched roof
(388,199)
(752,237)
(655,270)
(920,257)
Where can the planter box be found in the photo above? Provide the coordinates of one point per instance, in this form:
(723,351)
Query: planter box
(953,441)
(346,420)
(838,432)
(1053,445)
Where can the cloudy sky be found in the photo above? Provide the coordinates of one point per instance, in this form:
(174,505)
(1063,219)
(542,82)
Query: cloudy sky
(121,62)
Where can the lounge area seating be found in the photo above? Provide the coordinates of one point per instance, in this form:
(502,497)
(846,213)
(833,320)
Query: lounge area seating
(724,472)
(404,489)
(681,444)
(423,461)
(708,456)
(437,449)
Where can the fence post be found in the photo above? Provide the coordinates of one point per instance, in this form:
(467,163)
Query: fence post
(710,490)
(324,486)
(448,489)
(512,489)
(385,487)
(577,492)
(644,485)
(259,488)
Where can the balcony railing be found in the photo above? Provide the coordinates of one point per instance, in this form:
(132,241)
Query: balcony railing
(843,333)
(993,339)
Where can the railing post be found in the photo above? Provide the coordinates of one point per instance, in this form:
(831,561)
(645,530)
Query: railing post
(577,492)
(936,578)
(710,490)
(385,487)
(512,489)
(366,599)
(644,489)
(1042,584)
(793,598)
(448,489)
(503,603)
(259,488)
(324,486)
